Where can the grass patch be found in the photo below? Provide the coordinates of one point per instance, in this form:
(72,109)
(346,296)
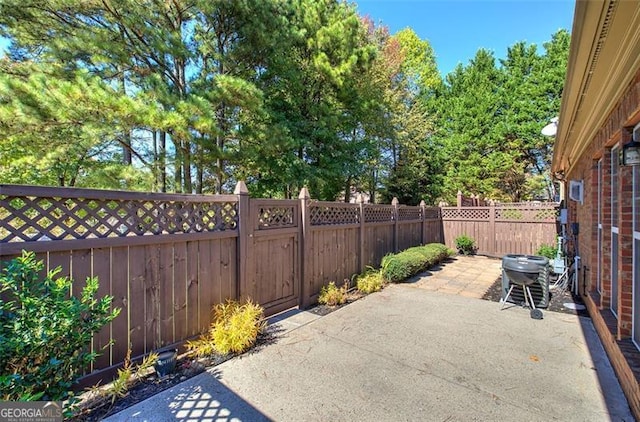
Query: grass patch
(400,266)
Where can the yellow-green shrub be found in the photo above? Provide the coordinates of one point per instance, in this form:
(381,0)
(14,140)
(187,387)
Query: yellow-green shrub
(370,281)
(333,295)
(235,329)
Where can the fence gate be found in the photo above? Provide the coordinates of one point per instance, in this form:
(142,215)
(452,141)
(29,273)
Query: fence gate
(273,266)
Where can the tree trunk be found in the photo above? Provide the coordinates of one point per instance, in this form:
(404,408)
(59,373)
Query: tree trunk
(186,167)
(162,152)
(155,167)
(199,167)
(372,187)
(178,166)
(126,137)
(347,190)
(220,141)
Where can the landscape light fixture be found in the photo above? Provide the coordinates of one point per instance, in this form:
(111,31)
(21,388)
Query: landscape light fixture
(630,154)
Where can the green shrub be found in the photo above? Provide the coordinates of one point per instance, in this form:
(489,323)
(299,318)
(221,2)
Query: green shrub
(370,281)
(465,244)
(547,251)
(400,266)
(235,329)
(45,333)
(333,295)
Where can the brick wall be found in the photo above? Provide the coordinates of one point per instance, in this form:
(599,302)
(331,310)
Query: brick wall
(604,146)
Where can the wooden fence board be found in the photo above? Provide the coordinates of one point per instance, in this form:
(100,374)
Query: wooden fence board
(102,271)
(166,294)
(193,265)
(228,271)
(206,273)
(120,281)
(151,298)
(60,259)
(137,282)
(180,291)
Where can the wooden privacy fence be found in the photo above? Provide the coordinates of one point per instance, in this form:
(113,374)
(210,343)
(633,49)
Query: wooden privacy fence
(167,259)
(501,229)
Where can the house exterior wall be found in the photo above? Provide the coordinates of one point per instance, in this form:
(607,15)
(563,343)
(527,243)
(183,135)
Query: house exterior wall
(613,325)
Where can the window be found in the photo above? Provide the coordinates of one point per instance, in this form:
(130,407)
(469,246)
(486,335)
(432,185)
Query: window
(614,231)
(599,245)
(636,256)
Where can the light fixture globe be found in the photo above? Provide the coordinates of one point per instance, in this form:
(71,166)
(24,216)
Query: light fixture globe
(630,154)
(551,129)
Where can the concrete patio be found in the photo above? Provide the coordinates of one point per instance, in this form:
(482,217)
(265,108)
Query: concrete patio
(408,353)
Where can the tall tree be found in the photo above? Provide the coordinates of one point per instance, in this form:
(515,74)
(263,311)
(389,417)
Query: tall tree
(313,103)
(470,101)
(415,159)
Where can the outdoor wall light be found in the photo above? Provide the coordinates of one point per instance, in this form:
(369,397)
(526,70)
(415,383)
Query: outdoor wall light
(630,154)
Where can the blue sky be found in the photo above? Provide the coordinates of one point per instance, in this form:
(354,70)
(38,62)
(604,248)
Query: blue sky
(457,29)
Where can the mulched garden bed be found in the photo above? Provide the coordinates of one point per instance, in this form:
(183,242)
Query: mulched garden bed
(322,310)
(95,407)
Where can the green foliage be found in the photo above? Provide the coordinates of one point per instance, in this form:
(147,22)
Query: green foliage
(548,251)
(414,161)
(45,333)
(489,119)
(370,281)
(235,329)
(277,93)
(128,375)
(333,295)
(400,266)
(465,244)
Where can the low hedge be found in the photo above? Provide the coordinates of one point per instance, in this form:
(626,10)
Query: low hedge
(400,266)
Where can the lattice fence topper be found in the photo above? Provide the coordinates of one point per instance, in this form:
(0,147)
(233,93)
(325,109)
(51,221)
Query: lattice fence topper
(29,218)
(273,217)
(330,214)
(526,214)
(431,213)
(505,212)
(466,213)
(378,213)
(409,213)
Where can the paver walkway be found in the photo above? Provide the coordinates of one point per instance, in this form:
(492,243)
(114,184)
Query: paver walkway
(469,276)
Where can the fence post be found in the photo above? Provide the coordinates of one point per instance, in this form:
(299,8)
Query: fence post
(305,223)
(394,202)
(459,199)
(423,214)
(361,260)
(492,226)
(244,221)
(440,217)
